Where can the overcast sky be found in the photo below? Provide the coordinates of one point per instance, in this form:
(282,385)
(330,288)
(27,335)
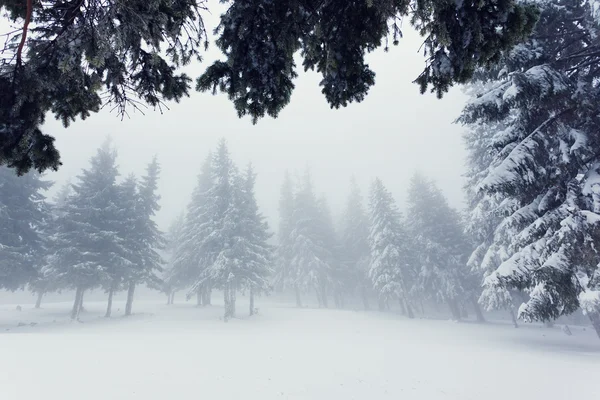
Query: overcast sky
(394,132)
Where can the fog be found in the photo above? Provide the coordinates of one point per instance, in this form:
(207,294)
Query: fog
(391,134)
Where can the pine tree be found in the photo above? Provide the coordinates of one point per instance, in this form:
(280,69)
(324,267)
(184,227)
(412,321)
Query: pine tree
(334,277)
(188,265)
(88,249)
(149,237)
(355,245)
(286,226)
(443,248)
(389,267)
(254,253)
(310,266)
(217,231)
(42,284)
(485,213)
(173,240)
(541,105)
(23,215)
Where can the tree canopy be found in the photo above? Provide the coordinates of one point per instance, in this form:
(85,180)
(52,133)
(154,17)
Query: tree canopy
(72,58)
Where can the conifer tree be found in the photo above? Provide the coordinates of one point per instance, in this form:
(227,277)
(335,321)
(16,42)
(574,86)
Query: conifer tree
(254,253)
(188,265)
(23,216)
(355,245)
(173,240)
(42,284)
(442,249)
(310,265)
(389,267)
(149,237)
(286,226)
(87,244)
(538,112)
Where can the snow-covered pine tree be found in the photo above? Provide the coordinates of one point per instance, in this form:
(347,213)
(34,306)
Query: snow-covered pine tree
(335,277)
(251,240)
(23,215)
(218,230)
(173,240)
(87,243)
(442,248)
(188,265)
(128,235)
(43,284)
(389,267)
(310,266)
(286,226)
(354,240)
(485,213)
(149,237)
(541,104)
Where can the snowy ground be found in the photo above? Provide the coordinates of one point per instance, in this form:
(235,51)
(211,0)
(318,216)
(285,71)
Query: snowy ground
(183,352)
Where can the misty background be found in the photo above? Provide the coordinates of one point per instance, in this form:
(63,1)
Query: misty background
(391,134)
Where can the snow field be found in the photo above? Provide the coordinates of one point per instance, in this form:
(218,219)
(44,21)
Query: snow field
(177,352)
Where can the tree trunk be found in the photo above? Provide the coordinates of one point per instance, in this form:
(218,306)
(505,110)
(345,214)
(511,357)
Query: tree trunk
(549,324)
(464,313)
(38,301)
(226,299)
(402,308)
(232,298)
(513,318)
(422,307)
(454,309)
(81,302)
(595,319)
(319,301)
(251,302)
(381,303)
(298,299)
(199,297)
(477,309)
(172,298)
(207,295)
(324,296)
(110,301)
(365,298)
(77,303)
(129,304)
(409,310)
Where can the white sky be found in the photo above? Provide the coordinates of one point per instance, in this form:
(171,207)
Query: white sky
(394,132)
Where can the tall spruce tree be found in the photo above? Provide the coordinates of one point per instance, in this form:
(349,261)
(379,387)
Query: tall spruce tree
(218,230)
(310,264)
(541,104)
(23,217)
(485,213)
(286,225)
(390,259)
(355,251)
(443,248)
(41,284)
(188,264)
(253,251)
(173,240)
(149,237)
(128,234)
(87,244)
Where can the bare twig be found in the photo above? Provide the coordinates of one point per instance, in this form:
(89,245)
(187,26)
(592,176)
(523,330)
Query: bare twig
(25,27)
